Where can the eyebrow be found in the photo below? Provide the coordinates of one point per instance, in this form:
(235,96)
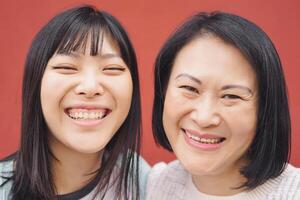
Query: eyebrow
(226,87)
(110,55)
(190,77)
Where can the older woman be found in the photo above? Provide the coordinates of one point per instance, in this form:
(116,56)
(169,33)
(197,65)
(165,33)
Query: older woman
(221,106)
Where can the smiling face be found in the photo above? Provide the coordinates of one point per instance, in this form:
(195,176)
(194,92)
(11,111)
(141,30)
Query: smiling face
(85,99)
(210,107)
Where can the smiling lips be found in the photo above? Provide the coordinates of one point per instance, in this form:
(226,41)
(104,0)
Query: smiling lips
(87,116)
(203,141)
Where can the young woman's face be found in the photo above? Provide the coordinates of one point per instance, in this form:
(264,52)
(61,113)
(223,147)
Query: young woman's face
(210,107)
(85,99)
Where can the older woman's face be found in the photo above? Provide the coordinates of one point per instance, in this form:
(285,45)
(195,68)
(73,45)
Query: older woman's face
(210,108)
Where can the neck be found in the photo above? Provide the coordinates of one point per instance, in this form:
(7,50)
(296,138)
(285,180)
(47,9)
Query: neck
(72,170)
(222,184)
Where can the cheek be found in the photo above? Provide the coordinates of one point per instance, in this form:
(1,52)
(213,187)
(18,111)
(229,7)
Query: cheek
(243,127)
(49,87)
(121,89)
(175,108)
(53,88)
(169,113)
(49,98)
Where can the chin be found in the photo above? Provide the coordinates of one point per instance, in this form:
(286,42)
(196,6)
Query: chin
(197,167)
(88,150)
(85,148)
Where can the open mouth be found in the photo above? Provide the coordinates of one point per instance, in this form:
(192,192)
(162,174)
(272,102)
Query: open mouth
(87,114)
(204,139)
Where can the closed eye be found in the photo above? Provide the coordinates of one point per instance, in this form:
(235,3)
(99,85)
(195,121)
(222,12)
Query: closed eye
(231,96)
(189,88)
(65,69)
(114,68)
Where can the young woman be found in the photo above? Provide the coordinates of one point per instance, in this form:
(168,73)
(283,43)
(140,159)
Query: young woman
(231,127)
(81,115)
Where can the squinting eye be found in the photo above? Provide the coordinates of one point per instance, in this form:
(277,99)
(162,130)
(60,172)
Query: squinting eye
(189,88)
(231,96)
(114,68)
(65,69)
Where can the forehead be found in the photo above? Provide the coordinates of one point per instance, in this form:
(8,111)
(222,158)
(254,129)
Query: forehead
(210,56)
(107,46)
(89,44)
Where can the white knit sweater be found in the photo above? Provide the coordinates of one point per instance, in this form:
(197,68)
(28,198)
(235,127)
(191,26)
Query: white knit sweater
(173,182)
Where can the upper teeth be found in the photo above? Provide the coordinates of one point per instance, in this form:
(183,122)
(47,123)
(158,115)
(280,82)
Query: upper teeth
(87,115)
(203,140)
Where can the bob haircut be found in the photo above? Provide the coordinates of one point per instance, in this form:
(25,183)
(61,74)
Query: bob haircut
(270,149)
(70,31)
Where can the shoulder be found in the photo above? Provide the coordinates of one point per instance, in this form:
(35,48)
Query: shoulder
(290,178)
(144,169)
(165,179)
(290,181)
(6,171)
(285,186)
(173,170)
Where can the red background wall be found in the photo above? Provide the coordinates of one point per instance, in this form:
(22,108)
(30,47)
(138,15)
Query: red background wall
(148,23)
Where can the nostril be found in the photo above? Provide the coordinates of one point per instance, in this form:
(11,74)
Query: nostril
(89,90)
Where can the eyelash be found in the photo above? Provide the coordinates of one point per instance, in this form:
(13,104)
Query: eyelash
(231,96)
(65,68)
(189,88)
(114,68)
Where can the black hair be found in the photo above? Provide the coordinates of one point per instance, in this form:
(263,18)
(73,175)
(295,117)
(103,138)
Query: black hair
(66,32)
(270,149)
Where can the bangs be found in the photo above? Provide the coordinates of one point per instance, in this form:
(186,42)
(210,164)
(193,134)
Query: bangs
(80,32)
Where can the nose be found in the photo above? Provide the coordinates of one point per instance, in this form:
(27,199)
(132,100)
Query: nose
(205,113)
(89,86)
